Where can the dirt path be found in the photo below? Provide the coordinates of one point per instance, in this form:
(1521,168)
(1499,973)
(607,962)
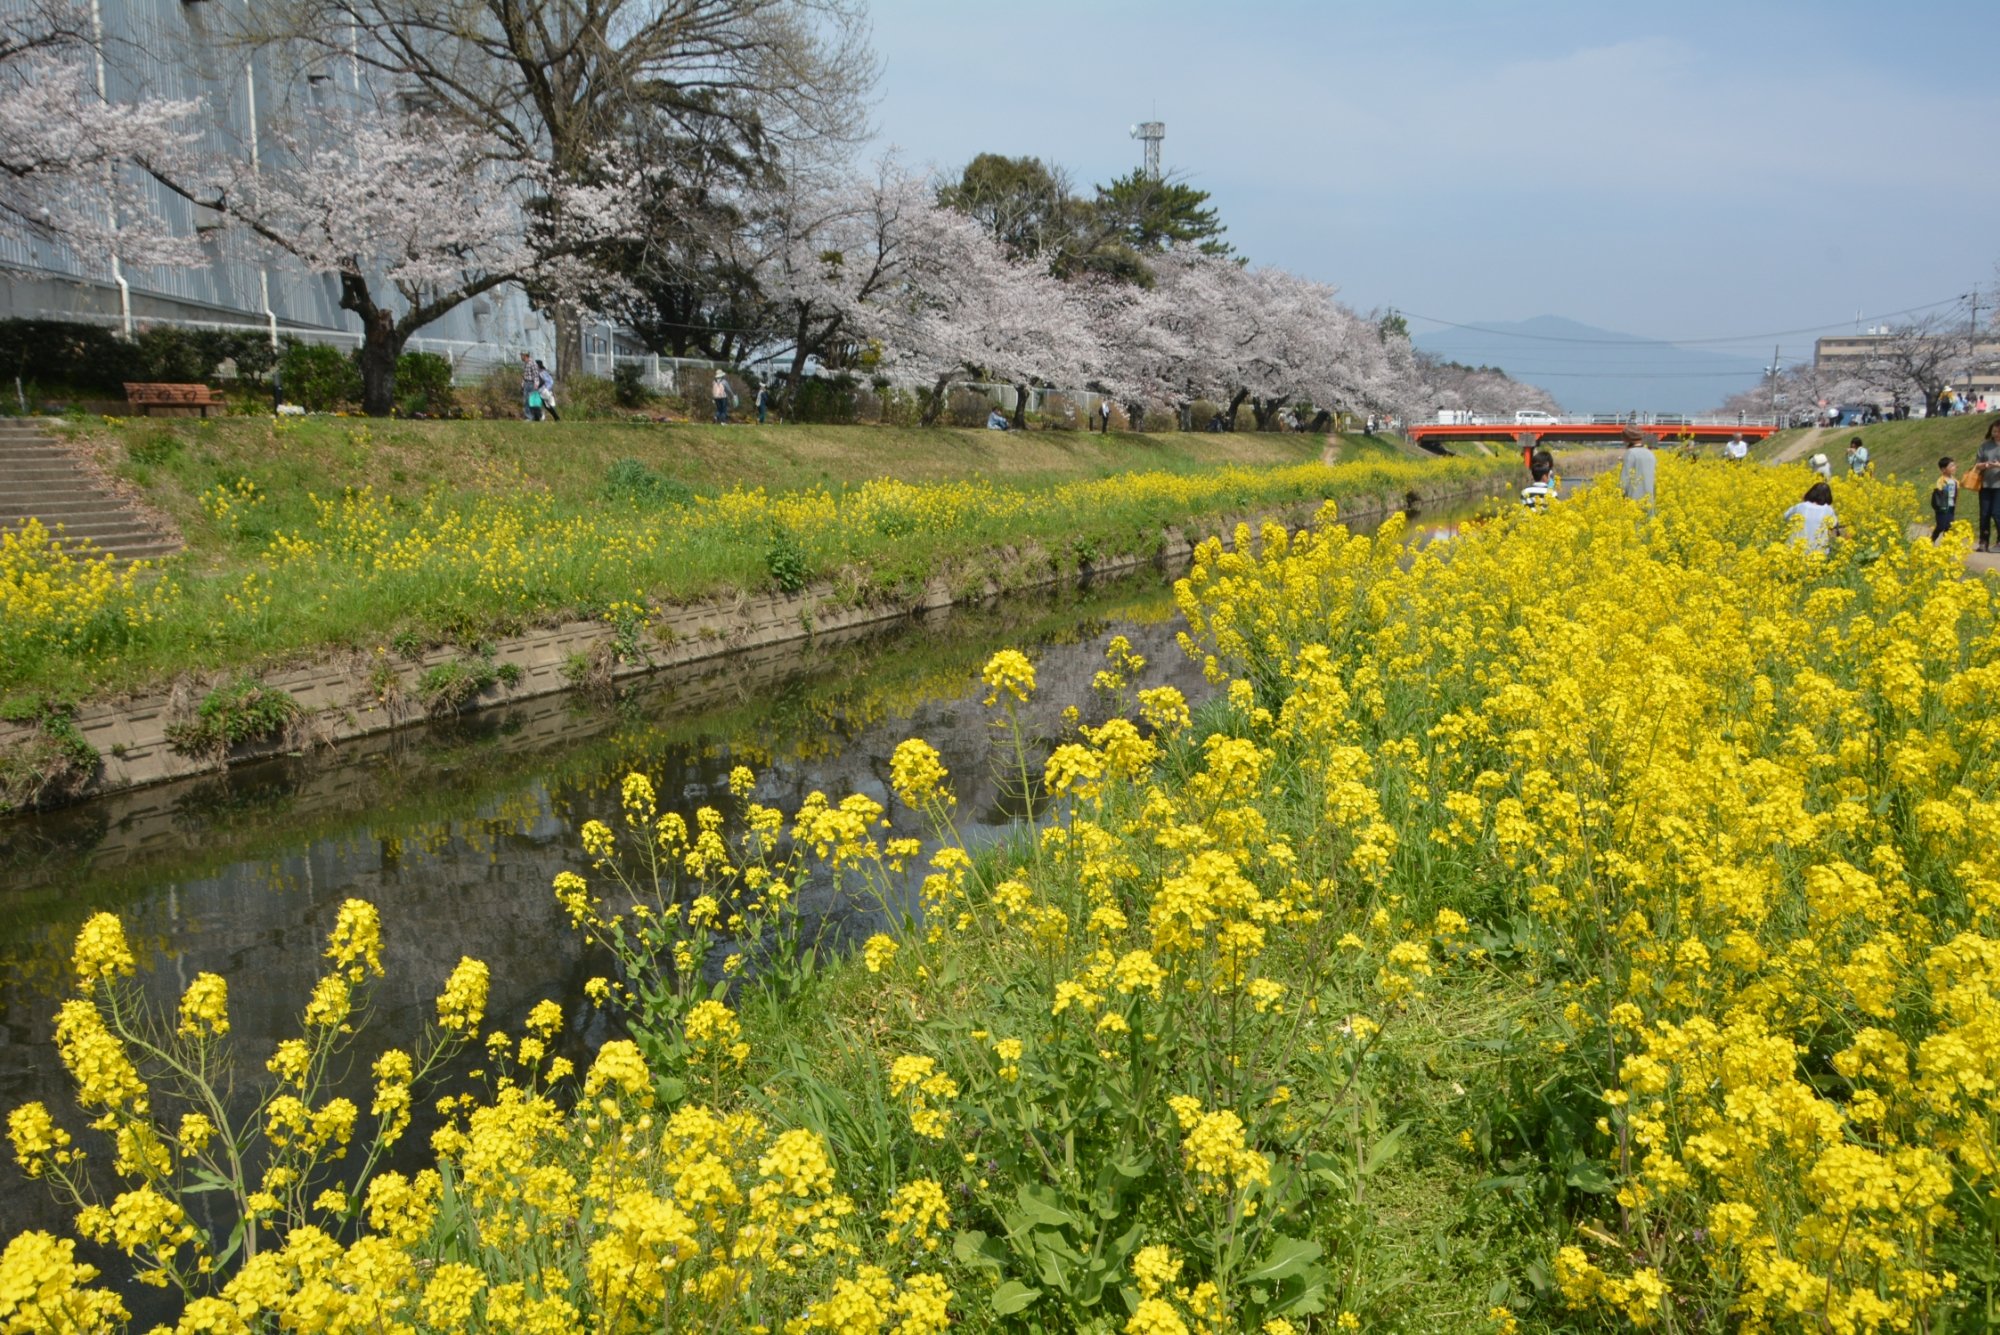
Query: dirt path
(1803,446)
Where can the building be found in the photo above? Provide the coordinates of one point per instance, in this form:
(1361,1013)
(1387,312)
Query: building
(1973,368)
(177,49)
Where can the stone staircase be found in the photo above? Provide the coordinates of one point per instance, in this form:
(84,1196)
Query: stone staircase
(39,479)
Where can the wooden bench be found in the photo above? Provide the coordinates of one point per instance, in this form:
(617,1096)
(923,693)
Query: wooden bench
(148,397)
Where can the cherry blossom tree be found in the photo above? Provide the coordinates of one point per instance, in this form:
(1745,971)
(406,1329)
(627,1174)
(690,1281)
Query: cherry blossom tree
(825,255)
(65,176)
(966,310)
(413,215)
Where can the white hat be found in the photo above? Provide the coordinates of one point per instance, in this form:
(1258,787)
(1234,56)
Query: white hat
(1818,459)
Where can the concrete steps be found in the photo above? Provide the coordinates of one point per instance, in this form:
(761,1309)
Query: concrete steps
(39,480)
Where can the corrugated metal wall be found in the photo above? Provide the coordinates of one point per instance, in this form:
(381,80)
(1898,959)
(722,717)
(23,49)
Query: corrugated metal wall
(176,48)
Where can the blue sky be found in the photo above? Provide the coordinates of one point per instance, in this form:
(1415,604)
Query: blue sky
(1682,171)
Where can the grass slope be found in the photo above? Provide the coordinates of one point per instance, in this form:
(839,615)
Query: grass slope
(1908,450)
(308,538)
(175,462)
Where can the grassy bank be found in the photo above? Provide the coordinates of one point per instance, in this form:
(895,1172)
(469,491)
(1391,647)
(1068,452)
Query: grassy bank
(328,537)
(176,462)
(1582,928)
(1905,450)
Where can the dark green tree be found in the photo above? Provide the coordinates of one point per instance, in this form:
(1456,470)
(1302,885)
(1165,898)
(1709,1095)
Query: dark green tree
(1025,204)
(1150,215)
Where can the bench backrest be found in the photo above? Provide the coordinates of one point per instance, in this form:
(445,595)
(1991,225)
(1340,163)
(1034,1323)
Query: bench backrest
(144,393)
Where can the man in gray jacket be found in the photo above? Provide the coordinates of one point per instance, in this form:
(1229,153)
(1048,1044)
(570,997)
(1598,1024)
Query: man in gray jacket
(1635,473)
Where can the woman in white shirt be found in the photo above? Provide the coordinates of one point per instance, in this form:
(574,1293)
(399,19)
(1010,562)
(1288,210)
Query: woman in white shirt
(1812,522)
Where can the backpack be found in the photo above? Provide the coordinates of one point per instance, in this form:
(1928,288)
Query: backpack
(1941,497)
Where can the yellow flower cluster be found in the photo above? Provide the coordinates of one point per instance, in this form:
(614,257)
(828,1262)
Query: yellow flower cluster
(1742,793)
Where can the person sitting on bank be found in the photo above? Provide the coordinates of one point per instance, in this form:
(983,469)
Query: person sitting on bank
(1812,521)
(997,421)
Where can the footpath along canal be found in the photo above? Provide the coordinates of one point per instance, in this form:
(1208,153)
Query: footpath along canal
(455,831)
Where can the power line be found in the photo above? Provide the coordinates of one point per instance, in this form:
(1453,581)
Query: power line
(1676,342)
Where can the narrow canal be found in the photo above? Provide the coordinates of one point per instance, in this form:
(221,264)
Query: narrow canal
(456,831)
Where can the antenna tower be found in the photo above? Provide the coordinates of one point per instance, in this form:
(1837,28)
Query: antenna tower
(1151,133)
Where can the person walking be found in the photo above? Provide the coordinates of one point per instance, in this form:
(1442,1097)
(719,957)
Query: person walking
(531,389)
(763,402)
(1104,414)
(1944,498)
(545,381)
(1812,521)
(1637,469)
(718,389)
(1857,457)
(1986,477)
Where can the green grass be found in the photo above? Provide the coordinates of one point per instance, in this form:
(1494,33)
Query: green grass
(1908,450)
(175,461)
(515,525)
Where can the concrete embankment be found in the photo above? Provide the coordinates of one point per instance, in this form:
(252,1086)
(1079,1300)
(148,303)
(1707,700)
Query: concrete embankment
(360,695)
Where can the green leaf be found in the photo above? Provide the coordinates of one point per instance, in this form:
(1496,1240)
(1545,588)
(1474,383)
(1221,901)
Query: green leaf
(1589,1176)
(1012,1297)
(1383,1150)
(1308,1299)
(976,1250)
(1043,1206)
(1286,1258)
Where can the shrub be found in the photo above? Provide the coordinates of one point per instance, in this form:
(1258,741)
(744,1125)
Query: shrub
(824,400)
(630,480)
(899,407)
(56,352)
(785,558)
(449,687)
(629,386)
(53,761)
(244,712)
(967,407)
(175,355)
(423,383)
(590,397)
(318,377)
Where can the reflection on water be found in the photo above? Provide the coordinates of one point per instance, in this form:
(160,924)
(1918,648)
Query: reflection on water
(455,832)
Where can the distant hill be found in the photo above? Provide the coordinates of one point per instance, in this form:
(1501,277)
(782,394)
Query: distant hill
(1602,370)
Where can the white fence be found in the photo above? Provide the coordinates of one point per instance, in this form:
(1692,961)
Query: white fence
(470,360)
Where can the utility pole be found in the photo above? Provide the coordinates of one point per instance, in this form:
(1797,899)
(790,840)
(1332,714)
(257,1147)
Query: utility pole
(1772,371)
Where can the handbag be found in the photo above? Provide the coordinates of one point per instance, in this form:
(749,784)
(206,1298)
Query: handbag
(535,399)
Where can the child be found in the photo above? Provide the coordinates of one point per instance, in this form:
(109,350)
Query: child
(1944,497)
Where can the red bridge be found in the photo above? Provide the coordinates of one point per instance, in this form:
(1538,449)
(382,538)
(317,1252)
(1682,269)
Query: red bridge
(1661,427)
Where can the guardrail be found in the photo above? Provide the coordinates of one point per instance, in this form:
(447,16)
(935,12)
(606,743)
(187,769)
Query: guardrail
(1608,419)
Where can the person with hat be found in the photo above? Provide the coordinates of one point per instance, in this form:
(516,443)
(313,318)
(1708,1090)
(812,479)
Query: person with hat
(1819,464)
(1636,471)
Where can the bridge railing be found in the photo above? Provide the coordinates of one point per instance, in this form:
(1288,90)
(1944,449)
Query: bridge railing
(1710,420)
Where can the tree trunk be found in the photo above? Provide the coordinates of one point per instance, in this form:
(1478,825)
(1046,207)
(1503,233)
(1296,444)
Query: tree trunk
(1266,410)
(934,401)
(568,321)
(1229,418)
(379,349)
(381,343)
(1322,423)
(1136,413)
(1021,407)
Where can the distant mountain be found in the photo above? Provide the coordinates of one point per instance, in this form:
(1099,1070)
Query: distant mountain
(1592,370)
